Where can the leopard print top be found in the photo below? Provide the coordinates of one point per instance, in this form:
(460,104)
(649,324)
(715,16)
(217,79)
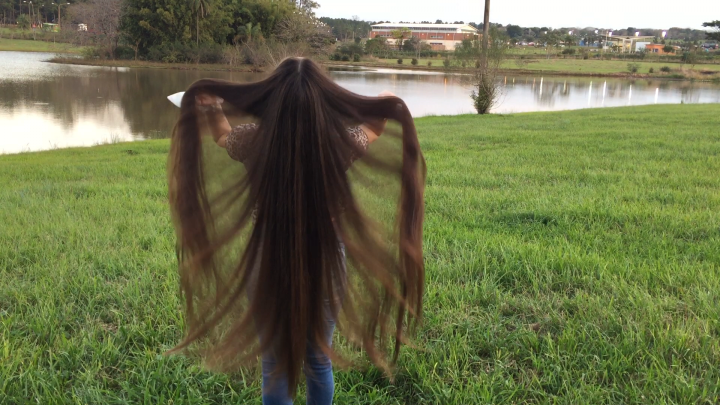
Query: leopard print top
(239,146)
(239,142)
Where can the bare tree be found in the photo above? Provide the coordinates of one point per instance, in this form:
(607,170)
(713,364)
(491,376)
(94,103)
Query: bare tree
(485,79)
(103,21)
(300,34)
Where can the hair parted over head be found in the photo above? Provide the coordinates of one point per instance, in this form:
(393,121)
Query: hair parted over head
(279,275)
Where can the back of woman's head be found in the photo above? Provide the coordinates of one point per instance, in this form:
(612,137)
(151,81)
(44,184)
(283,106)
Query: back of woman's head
(281,275)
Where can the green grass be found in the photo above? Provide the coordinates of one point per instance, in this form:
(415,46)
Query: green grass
(28,45)
(602,66)
(572,66)
(572,258)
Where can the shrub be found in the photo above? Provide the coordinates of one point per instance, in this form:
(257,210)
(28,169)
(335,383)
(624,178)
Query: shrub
(568,51)
(400,61)
(665,69)
(345,58)
(689,57)
(90,52)
(356,58)
(124,52)
(414,62)
(633,67)
(429,63)
(446,63)
(651,70)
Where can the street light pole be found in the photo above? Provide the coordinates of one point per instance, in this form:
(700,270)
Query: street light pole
(59,20)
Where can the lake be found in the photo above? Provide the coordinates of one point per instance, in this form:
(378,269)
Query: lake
(45,105)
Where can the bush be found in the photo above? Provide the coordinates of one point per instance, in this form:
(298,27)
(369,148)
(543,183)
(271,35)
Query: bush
(633,67)
(446,63)
(429,63)
(665,69)
(414,62)
(356,58)
(400,61)
(180,53)
(124,52)
(689,57)
(568,51)
(345,58)
(651,70)
(90,52)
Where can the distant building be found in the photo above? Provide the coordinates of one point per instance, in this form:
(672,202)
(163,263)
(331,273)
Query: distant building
(660,49)
(440,37)
(626,43)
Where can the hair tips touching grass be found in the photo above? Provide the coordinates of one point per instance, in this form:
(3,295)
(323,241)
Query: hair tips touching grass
(288,273)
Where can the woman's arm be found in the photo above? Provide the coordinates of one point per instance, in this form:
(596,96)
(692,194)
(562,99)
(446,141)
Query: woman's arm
(212,108)
(374,129)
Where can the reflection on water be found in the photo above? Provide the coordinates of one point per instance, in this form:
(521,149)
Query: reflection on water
(45,106)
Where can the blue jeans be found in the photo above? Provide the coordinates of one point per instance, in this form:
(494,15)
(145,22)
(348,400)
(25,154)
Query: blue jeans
(318,368)
(318,376)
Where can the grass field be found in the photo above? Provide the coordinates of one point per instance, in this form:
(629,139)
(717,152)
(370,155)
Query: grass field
(572,258)
(26,45)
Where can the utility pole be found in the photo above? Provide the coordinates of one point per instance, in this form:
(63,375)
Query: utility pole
(486,30)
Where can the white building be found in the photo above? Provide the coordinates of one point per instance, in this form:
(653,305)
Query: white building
(439,36)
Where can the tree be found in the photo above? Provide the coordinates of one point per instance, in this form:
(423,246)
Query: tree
(398,35)
(569,40)
(689,58)
(668,49)
(713,35)
(551,39)
(344,29)
(376,46)
(514,31)
(439,22)
(304,27)
(23,22)
(200,7)
(103,20)
(485,79)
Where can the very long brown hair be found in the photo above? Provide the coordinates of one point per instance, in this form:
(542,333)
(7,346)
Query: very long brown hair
(279,276)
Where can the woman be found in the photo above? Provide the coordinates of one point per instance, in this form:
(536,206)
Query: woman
(263,258)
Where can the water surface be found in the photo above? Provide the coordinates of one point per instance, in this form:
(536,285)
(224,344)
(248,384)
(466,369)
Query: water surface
(45,105)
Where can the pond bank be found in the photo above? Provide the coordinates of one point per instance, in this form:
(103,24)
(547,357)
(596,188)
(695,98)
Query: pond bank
(594,68)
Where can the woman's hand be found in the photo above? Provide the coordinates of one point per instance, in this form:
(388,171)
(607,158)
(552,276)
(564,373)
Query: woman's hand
(376,128)
(206,102)
(216,120)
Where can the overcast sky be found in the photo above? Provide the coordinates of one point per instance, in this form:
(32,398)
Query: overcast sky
(533,13)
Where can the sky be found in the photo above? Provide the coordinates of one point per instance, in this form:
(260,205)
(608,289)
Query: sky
(659,14)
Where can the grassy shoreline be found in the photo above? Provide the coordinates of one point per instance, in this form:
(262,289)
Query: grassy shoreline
(544,69)
(533,67)
(152,65)
(28,45)
(572,257)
